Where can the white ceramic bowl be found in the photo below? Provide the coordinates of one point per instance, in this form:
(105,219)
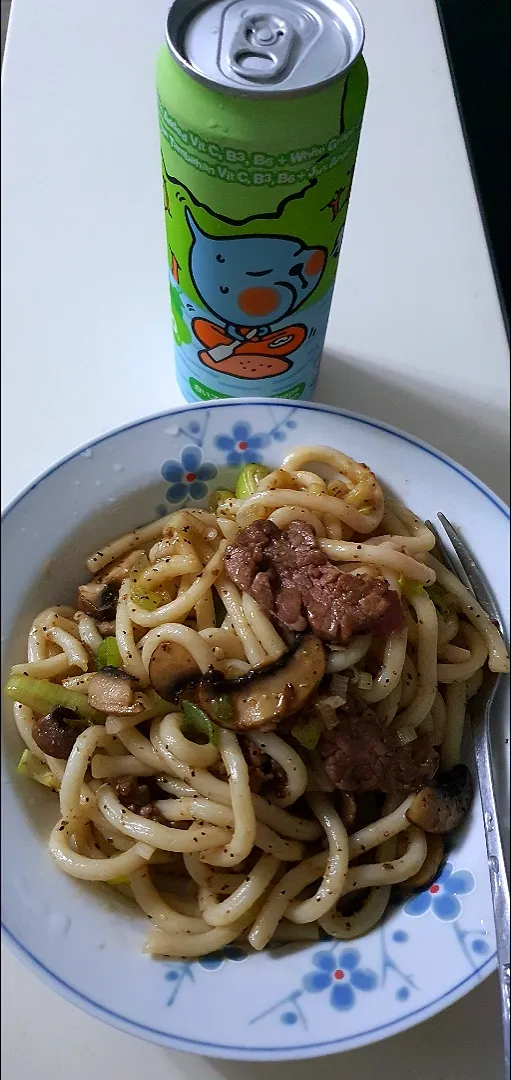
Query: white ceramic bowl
(86,944)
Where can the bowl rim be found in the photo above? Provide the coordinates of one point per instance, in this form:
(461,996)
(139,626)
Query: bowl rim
(132,1027)
(243,1053)
(306,406)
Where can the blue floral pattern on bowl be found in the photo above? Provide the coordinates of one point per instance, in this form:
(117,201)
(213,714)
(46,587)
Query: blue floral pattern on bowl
(188,478)
(341,974)
(183,971)
(216,960)
(241,447)
(442,897)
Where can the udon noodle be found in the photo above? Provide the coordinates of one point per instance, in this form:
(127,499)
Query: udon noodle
(218,828)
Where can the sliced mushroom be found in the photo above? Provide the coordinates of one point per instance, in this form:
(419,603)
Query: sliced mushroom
(53,735)
(443,805)
(268,695)
(226,686)
(115,573)
(429,868)
(112,691)
(98,599)
(170,666)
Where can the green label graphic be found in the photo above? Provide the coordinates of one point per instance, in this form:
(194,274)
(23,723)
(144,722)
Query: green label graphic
(256,194)
(235,166)
(205,393)
(294,392)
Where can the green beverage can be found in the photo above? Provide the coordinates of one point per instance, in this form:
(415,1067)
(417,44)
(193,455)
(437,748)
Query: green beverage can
(260,110)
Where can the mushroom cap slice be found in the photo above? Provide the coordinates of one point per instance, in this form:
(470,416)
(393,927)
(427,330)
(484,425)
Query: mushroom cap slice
(97,599)
(115,573)
(112,691)
(442,806)
(170,666)
(53,735)
(264,699)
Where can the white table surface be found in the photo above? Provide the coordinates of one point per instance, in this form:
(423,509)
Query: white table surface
(416,338)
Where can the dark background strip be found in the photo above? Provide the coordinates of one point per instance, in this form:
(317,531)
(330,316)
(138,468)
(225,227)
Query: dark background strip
(476,35)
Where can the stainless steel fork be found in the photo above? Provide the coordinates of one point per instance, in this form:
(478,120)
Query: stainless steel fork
(480,711)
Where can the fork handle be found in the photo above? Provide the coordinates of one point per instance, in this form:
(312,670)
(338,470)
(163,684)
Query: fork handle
(498,878)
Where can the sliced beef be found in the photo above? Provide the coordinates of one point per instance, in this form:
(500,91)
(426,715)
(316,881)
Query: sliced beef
(265,776)
(290,578)
(137,796)
(341,605)
(360,755)
(53,735)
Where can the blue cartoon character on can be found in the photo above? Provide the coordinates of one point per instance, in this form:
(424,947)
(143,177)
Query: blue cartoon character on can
(250,284)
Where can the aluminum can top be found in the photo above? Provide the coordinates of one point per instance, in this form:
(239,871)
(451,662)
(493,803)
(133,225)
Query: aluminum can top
(284,47)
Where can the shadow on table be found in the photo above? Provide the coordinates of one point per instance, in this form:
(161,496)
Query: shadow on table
(480,442)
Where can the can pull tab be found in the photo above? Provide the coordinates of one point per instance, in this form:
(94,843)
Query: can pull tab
(261,47)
